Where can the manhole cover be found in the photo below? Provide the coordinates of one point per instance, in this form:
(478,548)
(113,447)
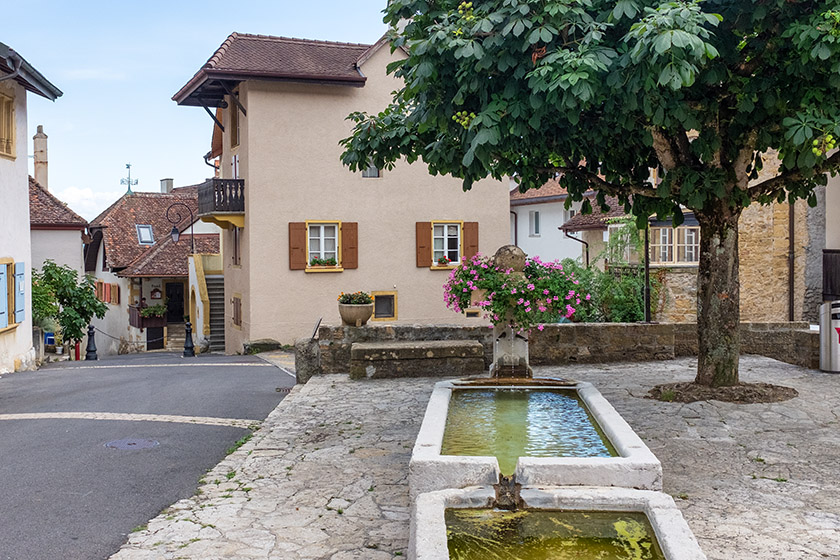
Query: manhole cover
(132,443)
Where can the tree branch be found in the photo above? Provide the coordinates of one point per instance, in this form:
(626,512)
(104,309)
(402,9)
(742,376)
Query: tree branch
(599,183)
(772,187)
(664,149)
(743,159)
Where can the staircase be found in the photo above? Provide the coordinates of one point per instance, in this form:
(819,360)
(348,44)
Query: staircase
(216,293)
(175,337)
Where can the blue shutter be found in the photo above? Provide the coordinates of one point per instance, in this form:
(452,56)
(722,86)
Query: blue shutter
(20,292)
(4,298)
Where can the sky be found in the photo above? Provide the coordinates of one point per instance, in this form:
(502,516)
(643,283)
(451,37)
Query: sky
(120,63)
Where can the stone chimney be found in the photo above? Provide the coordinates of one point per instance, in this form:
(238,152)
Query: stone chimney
(40,142)
(166,185)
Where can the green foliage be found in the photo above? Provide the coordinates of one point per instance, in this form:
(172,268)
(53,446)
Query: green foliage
(355,298)
(44,304)
(75,299)
(317,261)
(158,310)
(618,294)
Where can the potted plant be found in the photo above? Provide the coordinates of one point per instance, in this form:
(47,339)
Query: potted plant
(316,261)
(355,308)
(444,261)
(154,315)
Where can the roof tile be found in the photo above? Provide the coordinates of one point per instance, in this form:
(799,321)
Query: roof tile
(168,259)
(597,219)
(47,210)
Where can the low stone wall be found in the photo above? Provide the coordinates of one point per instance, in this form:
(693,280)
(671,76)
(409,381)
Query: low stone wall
(593,343)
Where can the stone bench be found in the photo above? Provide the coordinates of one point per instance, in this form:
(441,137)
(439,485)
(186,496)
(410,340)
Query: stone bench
(423,358)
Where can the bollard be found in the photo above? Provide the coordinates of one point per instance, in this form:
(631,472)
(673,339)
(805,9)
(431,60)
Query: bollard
(189,347)
(90,350)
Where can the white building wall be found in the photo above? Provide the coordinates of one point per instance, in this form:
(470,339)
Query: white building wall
(16,350)
(64,247)
(550,243)
(114,335)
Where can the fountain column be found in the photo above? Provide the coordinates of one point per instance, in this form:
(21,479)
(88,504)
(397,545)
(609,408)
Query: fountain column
(510,345)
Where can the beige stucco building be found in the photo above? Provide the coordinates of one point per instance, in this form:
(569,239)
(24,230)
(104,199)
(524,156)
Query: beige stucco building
(300,227)
(16,78)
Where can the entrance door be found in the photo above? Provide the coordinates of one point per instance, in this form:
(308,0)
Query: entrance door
(175,303)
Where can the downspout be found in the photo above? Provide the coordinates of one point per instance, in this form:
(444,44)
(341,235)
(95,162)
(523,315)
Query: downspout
(585,245)
(15,58)
(515,228)
(791,257)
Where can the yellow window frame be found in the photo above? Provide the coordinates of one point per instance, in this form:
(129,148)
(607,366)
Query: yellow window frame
(435,265)
(8,126)
(339,245)
(386,293)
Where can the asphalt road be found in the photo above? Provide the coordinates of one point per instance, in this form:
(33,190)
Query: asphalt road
(65,495)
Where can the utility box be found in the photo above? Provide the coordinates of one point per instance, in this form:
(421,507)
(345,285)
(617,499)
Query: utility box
(830,336)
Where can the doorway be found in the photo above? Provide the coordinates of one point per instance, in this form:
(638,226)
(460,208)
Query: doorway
(175,302)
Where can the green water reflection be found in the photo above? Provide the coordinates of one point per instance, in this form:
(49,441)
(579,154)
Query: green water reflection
(549,535)
(512,423)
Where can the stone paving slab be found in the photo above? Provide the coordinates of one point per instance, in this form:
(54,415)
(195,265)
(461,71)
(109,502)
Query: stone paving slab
(325,477)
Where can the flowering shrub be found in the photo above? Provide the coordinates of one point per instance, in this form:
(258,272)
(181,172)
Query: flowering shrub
(355,298)
(545,294)
(444,261)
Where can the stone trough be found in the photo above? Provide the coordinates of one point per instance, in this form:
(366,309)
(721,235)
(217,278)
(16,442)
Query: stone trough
(428,537)
(634,466)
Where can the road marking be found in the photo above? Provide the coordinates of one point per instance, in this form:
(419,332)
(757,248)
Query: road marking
(244,364)
(204,420)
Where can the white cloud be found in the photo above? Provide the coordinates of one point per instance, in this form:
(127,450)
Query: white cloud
(86,202)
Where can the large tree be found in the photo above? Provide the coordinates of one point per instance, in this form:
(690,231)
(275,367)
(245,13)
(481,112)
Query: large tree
(598,92)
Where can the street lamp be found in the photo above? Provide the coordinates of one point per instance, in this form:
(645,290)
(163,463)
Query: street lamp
(175,234)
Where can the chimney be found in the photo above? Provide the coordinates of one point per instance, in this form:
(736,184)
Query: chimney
(166,185)
(40,142)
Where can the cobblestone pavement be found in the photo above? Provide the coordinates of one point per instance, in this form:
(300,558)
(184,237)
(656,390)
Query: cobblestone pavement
(325,477)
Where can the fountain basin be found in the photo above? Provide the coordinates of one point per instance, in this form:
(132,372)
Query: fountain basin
(428,539)
(632,466)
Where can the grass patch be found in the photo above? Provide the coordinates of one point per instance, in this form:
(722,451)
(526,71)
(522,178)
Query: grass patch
(239,443)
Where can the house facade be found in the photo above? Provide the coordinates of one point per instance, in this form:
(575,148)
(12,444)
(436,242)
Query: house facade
(537,216)
(300,228)
(137,264)
(17,77)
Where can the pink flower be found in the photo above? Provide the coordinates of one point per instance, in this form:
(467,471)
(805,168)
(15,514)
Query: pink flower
(541,327)
(546,292)
(513,291)
(543,308)
(521,301)
(577,301)
(588,297)
(531,287)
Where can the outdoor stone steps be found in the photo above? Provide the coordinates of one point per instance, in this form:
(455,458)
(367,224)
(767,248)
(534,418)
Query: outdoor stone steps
(216,295)
(425,358)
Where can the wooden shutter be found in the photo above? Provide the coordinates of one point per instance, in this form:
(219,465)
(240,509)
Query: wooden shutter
(107,296)
(20,292)
(4,295)
(237,311)
(297,245)
(349,245)
(470,239)
(424,244)
(115,294)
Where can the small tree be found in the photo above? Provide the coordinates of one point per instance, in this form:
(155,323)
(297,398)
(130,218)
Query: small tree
(74,298)
(598,92)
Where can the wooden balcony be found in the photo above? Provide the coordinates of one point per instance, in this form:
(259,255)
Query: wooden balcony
(222,201)
(138,321)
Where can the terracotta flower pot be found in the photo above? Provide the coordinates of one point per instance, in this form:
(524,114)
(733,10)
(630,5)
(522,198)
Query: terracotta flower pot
(355,315)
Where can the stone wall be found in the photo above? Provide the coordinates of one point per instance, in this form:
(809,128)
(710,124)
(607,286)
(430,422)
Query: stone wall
(677,302)
(568,343)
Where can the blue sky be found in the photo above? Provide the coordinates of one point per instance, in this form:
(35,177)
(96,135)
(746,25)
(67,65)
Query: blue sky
(119,63)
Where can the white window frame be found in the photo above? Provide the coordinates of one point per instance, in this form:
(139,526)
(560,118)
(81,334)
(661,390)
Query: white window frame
(371,172)
(675,246)
(534,223)
(145,227)
(447,251)
(321,252)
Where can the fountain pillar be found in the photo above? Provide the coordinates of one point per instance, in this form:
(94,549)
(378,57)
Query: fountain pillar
(510,346)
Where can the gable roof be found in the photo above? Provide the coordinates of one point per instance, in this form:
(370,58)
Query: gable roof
(27,75)
(551,191)
(597,219)
(168,259)
(118,223)
(242,56)
(48,212)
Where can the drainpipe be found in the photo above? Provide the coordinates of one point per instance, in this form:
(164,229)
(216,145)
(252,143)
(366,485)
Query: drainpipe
(17,63)
(515,228)
(791,256)
(585,245)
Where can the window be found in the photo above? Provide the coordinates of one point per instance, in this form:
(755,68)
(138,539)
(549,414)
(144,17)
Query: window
(446,243)
(237,310)
(7,126)
(237,246)
(323,246)
(534,223)
(145,235)
(384,305)
(674,246)
(570,214)
(372,172)
(12,293)
(234,122)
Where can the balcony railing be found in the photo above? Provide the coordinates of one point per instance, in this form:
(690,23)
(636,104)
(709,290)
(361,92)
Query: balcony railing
(139,322)
(831,274)
(221,196)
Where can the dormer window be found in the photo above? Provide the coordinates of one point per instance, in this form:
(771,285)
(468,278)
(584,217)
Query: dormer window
(145,235)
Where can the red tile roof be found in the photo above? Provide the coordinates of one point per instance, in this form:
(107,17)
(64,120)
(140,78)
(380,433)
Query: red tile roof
(119,222)
(167,259)
(597,219)
(549,192)
(48,212)
(243,56)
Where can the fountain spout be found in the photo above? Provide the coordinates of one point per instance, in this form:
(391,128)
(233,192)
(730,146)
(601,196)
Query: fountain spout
(507,493)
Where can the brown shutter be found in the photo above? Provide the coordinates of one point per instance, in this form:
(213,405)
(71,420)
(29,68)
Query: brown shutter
(107,297)
(424,244)
(297,245)
(470,239)
(349,245)
(115,293)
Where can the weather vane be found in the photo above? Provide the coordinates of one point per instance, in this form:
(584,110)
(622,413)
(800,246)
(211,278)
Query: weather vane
(128,181)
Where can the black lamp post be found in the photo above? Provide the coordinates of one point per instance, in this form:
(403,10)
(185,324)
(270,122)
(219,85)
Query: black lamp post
(175,234)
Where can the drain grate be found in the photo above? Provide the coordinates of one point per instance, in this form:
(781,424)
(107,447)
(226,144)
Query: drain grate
(132,443)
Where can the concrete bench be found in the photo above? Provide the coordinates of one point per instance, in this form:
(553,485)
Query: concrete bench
(424,358)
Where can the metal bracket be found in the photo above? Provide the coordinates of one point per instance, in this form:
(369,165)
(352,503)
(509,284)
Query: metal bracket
(233,96)
(212,116)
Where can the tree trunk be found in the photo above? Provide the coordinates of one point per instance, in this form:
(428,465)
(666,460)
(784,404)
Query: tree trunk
(718,298)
